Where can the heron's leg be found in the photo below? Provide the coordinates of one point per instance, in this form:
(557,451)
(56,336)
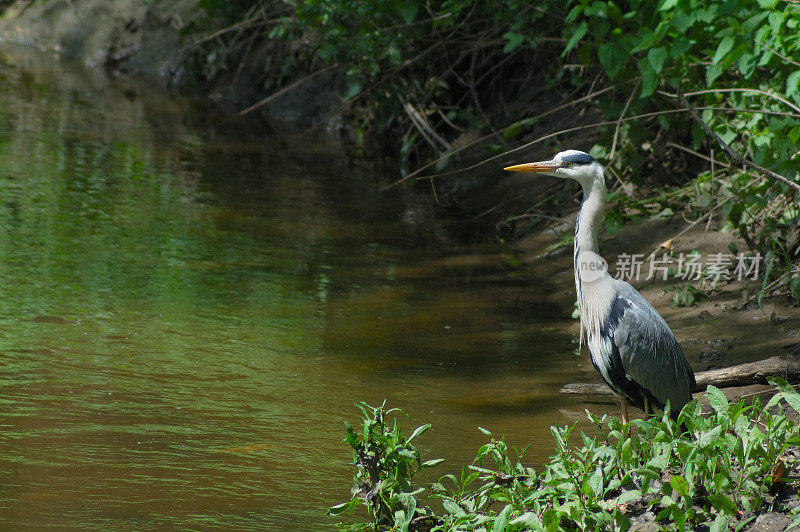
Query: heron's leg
(647,411)
(624,404)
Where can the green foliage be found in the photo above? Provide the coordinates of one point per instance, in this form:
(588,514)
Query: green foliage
(734,60)
(687,296)
(702,471)
(386,463)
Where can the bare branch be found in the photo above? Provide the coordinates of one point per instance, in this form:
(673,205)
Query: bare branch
(285,90)
(736,159)
(758,91)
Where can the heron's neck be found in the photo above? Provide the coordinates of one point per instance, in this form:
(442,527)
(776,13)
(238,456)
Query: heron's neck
(590,216)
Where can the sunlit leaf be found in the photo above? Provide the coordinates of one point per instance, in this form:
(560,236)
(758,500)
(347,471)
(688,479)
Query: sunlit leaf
(717,399)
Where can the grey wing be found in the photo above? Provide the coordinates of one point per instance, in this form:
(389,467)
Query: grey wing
(647,351)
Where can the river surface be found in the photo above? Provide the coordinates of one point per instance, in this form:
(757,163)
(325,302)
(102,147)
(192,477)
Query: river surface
(189,313)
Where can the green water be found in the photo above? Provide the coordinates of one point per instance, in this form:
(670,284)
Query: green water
(188,314)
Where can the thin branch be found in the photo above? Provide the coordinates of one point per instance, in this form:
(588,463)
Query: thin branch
(486,137)
(423,127)
(244,24)
(759,91)
(285,90)
(415,173)
(780,55)
(580,128)
(735,158)
(700,155)
(622,115)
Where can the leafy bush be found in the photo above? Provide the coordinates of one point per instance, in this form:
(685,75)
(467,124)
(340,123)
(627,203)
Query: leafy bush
(734,60)
(386,463)
(725,469)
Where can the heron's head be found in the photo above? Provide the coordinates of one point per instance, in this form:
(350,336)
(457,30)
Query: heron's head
(574,164)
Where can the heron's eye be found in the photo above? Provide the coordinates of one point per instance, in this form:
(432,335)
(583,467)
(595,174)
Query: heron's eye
(566,163)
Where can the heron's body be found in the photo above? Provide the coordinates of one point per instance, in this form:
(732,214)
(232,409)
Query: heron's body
(631,345)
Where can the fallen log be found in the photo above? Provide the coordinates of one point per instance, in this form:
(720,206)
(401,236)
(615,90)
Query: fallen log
(786,367)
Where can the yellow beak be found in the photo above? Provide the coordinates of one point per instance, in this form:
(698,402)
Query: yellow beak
(541,166)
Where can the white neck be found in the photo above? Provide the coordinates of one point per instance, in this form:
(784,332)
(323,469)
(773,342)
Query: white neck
(590,216)
(586,229)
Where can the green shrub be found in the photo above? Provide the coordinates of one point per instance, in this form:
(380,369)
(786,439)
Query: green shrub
(721,471)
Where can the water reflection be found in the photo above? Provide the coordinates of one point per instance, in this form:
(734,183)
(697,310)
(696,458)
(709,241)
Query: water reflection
(188,314)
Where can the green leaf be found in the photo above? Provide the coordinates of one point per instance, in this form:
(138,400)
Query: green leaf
(709,437)
(717,399)
(713,72)
(431,463)
(793,84)
(680,485)
(649,83)
(775,19)
(573,13)
(452,507)
(612,59)
(722,503)
(747,65)
(343,507)
(613,221)
(720,524)
(656,58)
(791,395)
(514,129)
(595,482)
(725,46)
(628,496)
(679,516)
(501,521)
(408,10)
(577,34)
(513,40)
(352,91)
(679,46)
(621,520)
(403,517)
(667,4)
(550,519)
(419,430)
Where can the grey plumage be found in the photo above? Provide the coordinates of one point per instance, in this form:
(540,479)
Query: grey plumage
(630,344)
(633,333)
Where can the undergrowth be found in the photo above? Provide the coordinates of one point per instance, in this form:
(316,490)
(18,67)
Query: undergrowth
(450,83)
(726,468)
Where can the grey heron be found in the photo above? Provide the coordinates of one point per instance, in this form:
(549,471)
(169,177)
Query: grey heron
(630,344)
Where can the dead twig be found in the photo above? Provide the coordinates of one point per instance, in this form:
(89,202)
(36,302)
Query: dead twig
(621,116)
(419,170)
(421,124)
(699,155)
(424,167)
(286,89)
